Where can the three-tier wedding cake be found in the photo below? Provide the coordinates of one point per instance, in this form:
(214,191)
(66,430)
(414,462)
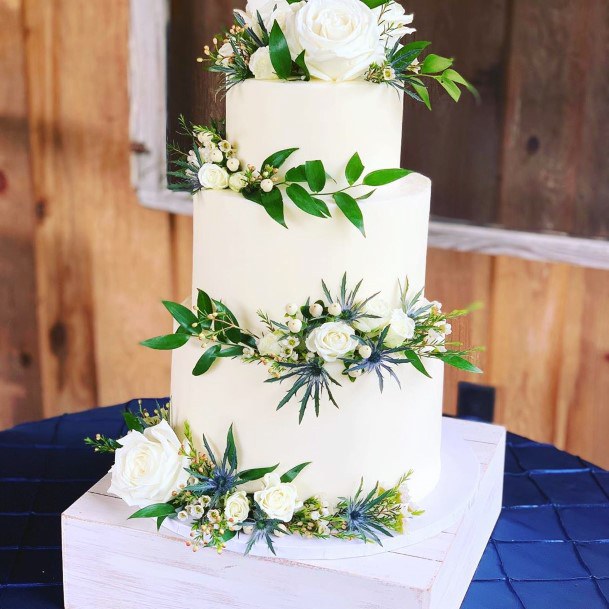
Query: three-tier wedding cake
(308,368)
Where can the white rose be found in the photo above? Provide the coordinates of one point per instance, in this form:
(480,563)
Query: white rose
(401,328)
(270,344)
(270,11)
(237,508)
(342,38)
(278,500)
(394,22)
(332,340)
(380,309)
(237,181)
(261,66)
(213,177)
(148,467)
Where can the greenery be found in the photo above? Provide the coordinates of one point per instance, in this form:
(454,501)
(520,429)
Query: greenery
(304,184)
(213,480)
(288,357)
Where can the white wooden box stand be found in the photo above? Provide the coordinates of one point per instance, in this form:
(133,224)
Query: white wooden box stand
(112,562)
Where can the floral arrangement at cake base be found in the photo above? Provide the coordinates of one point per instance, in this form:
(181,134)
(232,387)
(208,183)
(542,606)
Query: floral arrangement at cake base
(168,478)
(339,335)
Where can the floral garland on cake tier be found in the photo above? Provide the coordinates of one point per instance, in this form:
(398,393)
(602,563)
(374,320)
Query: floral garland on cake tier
(169,478)
(213,164)
(357,336)
(330,40)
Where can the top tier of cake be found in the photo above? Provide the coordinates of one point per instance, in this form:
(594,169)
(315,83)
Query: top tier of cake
(325,121)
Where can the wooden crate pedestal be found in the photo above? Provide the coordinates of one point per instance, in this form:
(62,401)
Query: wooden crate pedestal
(110,561)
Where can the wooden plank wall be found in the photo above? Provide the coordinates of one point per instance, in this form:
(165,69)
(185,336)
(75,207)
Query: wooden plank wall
(83,266)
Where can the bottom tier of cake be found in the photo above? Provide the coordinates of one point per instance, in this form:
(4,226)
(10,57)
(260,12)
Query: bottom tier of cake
(374,436)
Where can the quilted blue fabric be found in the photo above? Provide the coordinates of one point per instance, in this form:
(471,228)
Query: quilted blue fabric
(550,548)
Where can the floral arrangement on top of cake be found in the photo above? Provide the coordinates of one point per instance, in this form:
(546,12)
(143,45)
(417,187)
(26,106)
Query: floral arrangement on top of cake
(212,164)
(330,40)
(167,478)
(340,334)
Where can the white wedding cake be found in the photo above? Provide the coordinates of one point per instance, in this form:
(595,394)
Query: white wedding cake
(250,263)
(308,367)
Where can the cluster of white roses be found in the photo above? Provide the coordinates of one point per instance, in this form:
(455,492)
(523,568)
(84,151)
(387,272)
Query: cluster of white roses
(341,38)
(221,169)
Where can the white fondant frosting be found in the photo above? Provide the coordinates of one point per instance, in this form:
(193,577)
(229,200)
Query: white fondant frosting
(325,121)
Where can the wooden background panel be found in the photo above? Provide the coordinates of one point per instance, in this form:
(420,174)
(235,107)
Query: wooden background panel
(20,387)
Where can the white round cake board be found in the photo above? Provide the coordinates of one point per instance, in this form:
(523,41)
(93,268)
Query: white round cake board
(444,506)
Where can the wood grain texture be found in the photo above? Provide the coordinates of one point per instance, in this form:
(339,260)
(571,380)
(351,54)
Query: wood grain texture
(103,261)
(20,387)
(555,174)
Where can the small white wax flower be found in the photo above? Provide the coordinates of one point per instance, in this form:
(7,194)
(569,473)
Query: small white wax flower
(267,185)
(316,310)
(183,515)
(248,529)
(310,356)
(233,164)
(217,156)
(198,510)
(389,73)
(225,146)
(291,309)
(315,515)
(335,309)
(295,325)
(294,356)
(355,373)
(365,351)
(205,500)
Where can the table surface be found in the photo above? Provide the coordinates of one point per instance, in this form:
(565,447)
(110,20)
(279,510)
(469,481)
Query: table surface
(550,547)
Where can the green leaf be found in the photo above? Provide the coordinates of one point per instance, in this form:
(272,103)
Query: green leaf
(303,200)
(316,175)
(235,351)
(422,92)
(375,3)
(273,204)
(415,360)
(456,77)
(132,422)
(154,511)
(385,176)
(451,88)
(296,174)
(280,52)
(354,169)
(185,317)
(206,360)
(167,342)
(232,334)
(228,535)
(290,476)
(253,195)
(432,64)
(366,196)
(408,53)
(277,159)
(301,63)
(159,522)
(456,361)
(350,207)
(250,475)
(204,303)
(230,454)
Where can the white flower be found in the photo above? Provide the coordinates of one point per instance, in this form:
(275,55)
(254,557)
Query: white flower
(295,325)
(237,507)
(192,159)
(394,22)
(183,515)
(216,156)
(278,500)
(356,373)
(434,341)
(233,164)
(380,309)
(342,38)
(148,467)
(248,529)
(260,65)
(226,50)
(315,515)
(335,309)
(316,310)
(365,351)
(270,344)
(401,328)
(267,185)
(213,177)
(237,181)
(270,11)
(332,340)
(291,308)
(205,138)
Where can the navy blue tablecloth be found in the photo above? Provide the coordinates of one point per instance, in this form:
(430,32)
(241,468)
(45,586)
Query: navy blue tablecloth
(550,548)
